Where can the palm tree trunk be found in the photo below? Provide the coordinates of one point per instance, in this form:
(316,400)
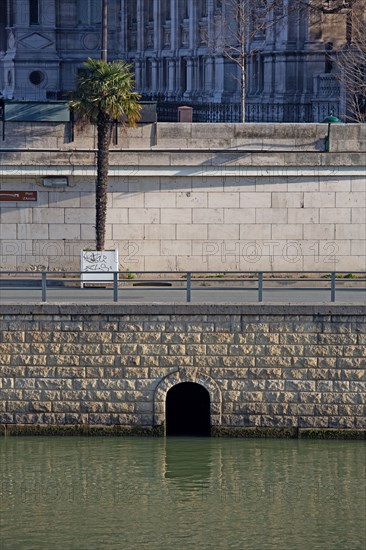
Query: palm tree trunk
(101,191)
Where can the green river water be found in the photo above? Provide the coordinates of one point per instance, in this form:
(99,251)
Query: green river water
(131,493)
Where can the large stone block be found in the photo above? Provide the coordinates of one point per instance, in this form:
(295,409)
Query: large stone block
(239,215)
(303,215)
(48,215)
(62,231)
(350,231)
(274,215)
(320,200)
(208,215)
(176,216)
(352,199)
(128,200)
(8,231)
(157,200)
(192,200)
(16,215)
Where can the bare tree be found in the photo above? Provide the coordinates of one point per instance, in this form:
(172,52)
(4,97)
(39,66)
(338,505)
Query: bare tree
(243,27)
(240,22)
(351,63)
(348,59)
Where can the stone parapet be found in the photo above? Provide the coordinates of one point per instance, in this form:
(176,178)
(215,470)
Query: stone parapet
(345,138)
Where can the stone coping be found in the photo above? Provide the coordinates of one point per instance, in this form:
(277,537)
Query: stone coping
(182,309)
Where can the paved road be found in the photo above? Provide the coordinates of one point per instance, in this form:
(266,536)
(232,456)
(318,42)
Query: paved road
(164,295)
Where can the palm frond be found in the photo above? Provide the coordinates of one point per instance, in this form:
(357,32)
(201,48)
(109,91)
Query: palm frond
(108,88)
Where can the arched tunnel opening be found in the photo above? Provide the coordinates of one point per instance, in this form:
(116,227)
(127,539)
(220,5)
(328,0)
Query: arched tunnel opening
(188,410)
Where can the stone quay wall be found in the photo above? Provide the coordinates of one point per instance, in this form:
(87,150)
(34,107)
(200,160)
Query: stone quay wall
(199,197)
(265,367)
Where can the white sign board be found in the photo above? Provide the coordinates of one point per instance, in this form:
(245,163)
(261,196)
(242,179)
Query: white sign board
(94,261)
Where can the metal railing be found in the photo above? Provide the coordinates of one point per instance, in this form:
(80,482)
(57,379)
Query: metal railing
(187,281)
(255,111)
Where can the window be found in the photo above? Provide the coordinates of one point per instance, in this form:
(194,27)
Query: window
(33,12)
(89,12)
(150,11)
(148,81)
(167,10)
(184,8)
(3,12)
(3,22)
(11,14)
(36,78)
(203,8)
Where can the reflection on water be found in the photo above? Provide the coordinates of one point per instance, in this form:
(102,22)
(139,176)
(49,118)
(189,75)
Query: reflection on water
(188,463)
(73,494)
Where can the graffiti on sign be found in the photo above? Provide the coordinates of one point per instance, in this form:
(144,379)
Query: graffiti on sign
(98,266)
(98,261)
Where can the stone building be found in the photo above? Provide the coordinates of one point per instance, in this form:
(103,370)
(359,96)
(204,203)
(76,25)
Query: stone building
(290,73)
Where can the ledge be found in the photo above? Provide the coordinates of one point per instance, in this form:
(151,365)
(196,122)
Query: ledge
(182,309)
(158,431)
(288,433)
(80,430)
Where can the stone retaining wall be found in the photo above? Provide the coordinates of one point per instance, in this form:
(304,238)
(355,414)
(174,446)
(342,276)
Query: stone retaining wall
(189,197)
(264,366)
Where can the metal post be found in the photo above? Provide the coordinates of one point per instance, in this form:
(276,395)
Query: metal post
(115,286)
(333,287)
(327,140)
(104,50)
(260,286)
(44,286)
(189,287)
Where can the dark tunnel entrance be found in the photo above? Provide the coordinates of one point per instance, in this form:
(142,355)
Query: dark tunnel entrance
(188,410)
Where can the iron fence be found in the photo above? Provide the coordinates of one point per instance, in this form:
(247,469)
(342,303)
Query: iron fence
(167,111)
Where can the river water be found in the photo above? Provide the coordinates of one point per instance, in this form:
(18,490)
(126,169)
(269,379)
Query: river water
(132,493)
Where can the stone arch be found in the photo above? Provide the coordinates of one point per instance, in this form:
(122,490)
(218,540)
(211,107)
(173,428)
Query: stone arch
(187,375)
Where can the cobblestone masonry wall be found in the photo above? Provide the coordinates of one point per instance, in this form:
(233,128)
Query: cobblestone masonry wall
(264,366)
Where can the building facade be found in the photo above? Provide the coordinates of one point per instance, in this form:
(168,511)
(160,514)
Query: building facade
(173,46)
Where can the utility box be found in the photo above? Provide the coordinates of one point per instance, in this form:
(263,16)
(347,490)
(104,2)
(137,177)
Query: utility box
(185,114)
(148,112)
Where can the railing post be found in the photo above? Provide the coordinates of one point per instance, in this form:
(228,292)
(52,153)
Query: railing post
(44,286)
(189,288)
(260,286)
(333,287)
(115,286)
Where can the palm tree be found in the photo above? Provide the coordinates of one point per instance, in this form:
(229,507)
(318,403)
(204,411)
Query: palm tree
(105,93)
